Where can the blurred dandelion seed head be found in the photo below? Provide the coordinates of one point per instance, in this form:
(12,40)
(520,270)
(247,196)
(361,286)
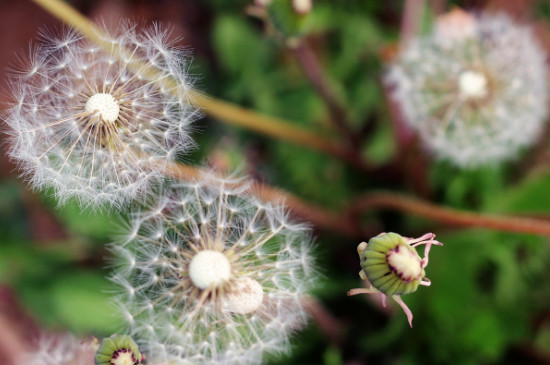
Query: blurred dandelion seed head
(212,275)
(100,123)
(455,26)
(61,350)
(475,88)
(302,6)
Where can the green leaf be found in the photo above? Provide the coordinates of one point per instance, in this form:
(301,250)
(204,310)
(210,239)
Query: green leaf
(239,47)
(530,195)
(81,303)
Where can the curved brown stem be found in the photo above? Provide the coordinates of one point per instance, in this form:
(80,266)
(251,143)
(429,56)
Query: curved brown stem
(450,216)
(322,218)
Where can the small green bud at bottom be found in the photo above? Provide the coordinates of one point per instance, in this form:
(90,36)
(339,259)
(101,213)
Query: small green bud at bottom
(118,350)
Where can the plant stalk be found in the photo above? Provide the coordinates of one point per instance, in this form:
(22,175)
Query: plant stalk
(449,216)
(312,68)
(322,218)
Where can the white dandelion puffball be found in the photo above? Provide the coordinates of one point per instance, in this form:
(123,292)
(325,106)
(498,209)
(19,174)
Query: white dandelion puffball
(212,276)
(61,350)
(100,123)
(475,88)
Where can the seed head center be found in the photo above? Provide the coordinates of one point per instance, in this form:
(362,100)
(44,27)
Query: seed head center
(123,357)
(406,262)
(209,269)
(104,104)
(472,85)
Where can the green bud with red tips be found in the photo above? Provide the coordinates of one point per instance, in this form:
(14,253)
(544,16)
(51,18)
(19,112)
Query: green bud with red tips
(118,350)
(391,264)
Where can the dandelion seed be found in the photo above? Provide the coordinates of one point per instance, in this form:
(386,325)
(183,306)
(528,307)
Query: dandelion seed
(393,267)
(475,88)
(100,124)
(228,281)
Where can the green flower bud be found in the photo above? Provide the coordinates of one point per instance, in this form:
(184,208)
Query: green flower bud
(118,350)
(391,265)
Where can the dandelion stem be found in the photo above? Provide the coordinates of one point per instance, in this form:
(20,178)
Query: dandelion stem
(312,68)
(322,218)
(221,110)
(412,18)
(450,216)
(12,344)
(437,6)
(267,125)
(330,325)
(69,15)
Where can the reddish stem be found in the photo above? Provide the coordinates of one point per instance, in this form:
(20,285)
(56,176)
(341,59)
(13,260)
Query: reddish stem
(412,18)
(328,324)
(450,216)
(312,68)
(322,218)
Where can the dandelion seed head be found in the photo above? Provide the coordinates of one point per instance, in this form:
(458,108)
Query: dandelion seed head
(227,293)
(100,124)
(474,88)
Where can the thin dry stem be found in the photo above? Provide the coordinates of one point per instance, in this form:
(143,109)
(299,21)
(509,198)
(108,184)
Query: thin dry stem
(322,218)
(11,345)
(412,18)
(450,216)
(312,68)
(263,124)
(437,6)
(330,325)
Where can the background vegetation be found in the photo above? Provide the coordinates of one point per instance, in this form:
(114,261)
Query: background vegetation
(490,296)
